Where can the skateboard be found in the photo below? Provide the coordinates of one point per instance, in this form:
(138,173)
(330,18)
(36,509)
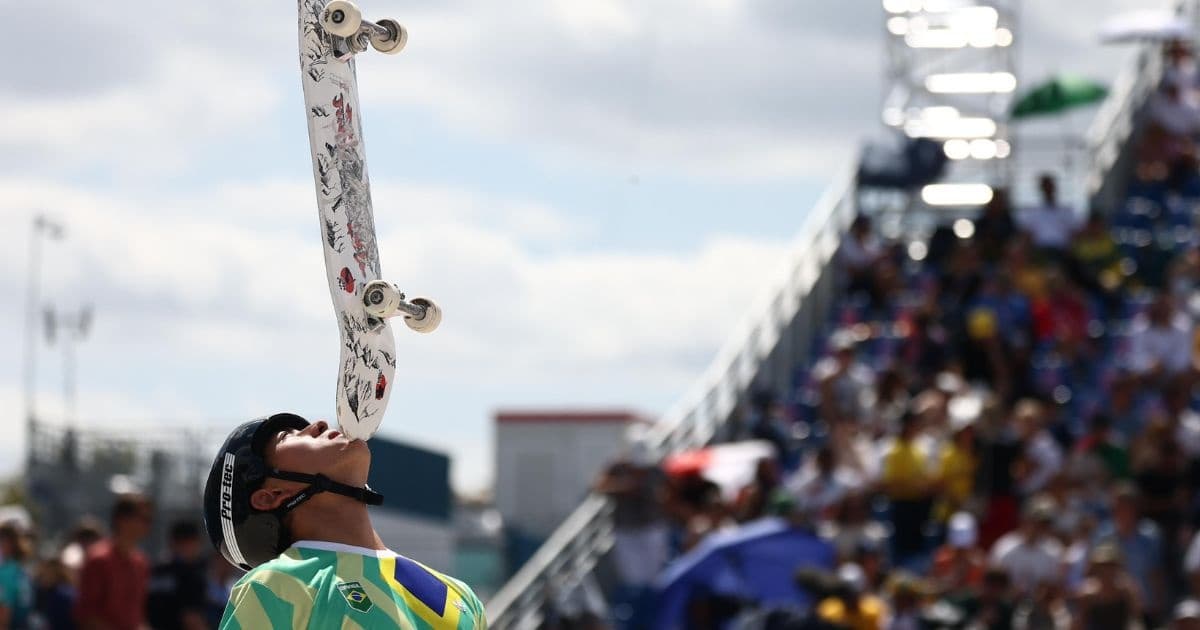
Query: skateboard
(332,32)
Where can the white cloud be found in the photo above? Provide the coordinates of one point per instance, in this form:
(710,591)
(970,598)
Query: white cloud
(198,285)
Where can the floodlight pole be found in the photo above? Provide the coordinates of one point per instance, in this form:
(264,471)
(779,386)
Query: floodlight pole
(42,226)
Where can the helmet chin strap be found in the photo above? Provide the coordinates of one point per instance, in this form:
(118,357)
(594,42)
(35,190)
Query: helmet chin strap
(318,484)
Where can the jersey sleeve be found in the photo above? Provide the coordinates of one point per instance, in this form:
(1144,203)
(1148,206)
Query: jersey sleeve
(476,611)
(268,600)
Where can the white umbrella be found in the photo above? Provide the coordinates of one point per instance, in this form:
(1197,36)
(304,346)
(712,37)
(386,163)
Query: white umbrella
(1146,25)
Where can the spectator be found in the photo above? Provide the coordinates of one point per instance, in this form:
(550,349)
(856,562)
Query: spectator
(1062,316)
(1096,262)
(1140,547)
(115,574)
(54,595)
(772,424)
(817,487)
(1183,422)
(1044,610)
(87,532)
(995,227)
(1107,600)
(1041,456)
(1187,615)
(959,565)
(846,384)
(1159,472)
(926,351)
(1126,404)
(859,254)
(221,577)
(1183,281)
(852,606)
(635,485)
(1174,113)
(1180,69)
(995,608)
(891,398)
(16,591)
(1050,225)
(1000,450)
(752,501)
(177,590)
(907,593)
(909,486)
(958,463)
(1161,342)
(1106,449)
(1030,555)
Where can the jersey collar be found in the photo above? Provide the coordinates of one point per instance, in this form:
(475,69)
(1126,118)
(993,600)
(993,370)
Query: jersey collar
(322,545)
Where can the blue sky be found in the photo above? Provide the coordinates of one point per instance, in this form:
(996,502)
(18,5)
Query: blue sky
(586,189)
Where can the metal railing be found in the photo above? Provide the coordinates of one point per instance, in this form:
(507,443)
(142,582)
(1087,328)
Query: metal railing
(763,350)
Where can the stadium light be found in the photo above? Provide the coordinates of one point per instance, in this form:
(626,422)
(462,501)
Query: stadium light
(964,228)
(942,6)
(1003,149)
(957,149)
(956,194)
(895,6)
(936,38)
(969,128)
(983,149)
(971,83)
(897,26)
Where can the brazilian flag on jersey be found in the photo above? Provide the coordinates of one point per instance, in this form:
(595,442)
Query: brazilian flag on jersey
(327,585)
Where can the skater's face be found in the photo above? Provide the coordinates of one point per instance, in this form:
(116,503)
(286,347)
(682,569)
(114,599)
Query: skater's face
(318,449)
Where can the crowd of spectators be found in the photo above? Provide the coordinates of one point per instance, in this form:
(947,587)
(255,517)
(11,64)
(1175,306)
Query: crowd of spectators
(1003,434)
(99,581)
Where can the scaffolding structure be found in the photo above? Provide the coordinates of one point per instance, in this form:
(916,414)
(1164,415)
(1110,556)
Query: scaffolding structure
(75,471)
(951,77)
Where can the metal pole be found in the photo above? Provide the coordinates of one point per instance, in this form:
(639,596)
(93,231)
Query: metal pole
(41,226)
(31,317)
(68,344)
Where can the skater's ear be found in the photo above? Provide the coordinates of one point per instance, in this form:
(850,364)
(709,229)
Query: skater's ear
(267,499)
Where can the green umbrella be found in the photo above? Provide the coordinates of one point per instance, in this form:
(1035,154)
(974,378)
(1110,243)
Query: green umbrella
(1057,95)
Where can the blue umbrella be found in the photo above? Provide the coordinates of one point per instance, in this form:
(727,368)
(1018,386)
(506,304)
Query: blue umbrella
(757,561)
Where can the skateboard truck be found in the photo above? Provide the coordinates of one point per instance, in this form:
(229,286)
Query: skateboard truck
(353,34)
(382,299)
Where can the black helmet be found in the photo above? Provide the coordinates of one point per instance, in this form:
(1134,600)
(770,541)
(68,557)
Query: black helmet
(245,536)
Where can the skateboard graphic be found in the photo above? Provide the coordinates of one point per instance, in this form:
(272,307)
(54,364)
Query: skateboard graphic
(331,33)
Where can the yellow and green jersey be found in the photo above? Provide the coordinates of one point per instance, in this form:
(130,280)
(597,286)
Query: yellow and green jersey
(328,585)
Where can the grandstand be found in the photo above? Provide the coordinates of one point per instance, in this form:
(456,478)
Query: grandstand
(1150,216)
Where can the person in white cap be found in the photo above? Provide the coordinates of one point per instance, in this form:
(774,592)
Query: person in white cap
(635,484)
(1187,615)
(959,564)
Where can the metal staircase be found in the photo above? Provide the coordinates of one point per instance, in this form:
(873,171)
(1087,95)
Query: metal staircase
(763,351)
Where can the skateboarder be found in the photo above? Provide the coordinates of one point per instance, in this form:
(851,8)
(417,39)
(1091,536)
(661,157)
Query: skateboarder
(287,501)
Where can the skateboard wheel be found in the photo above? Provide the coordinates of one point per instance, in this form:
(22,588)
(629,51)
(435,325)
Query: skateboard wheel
(428,323)
(395,39)
(341,18)
(381,299)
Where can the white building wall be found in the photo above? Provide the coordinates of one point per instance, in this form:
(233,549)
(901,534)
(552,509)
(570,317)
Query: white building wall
(429,542)
(543,469)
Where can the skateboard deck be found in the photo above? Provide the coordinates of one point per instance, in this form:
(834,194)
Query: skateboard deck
(362,302)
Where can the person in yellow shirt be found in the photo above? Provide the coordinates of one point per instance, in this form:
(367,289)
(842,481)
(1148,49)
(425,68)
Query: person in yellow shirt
(957,462)
(909,485)
(852,607)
